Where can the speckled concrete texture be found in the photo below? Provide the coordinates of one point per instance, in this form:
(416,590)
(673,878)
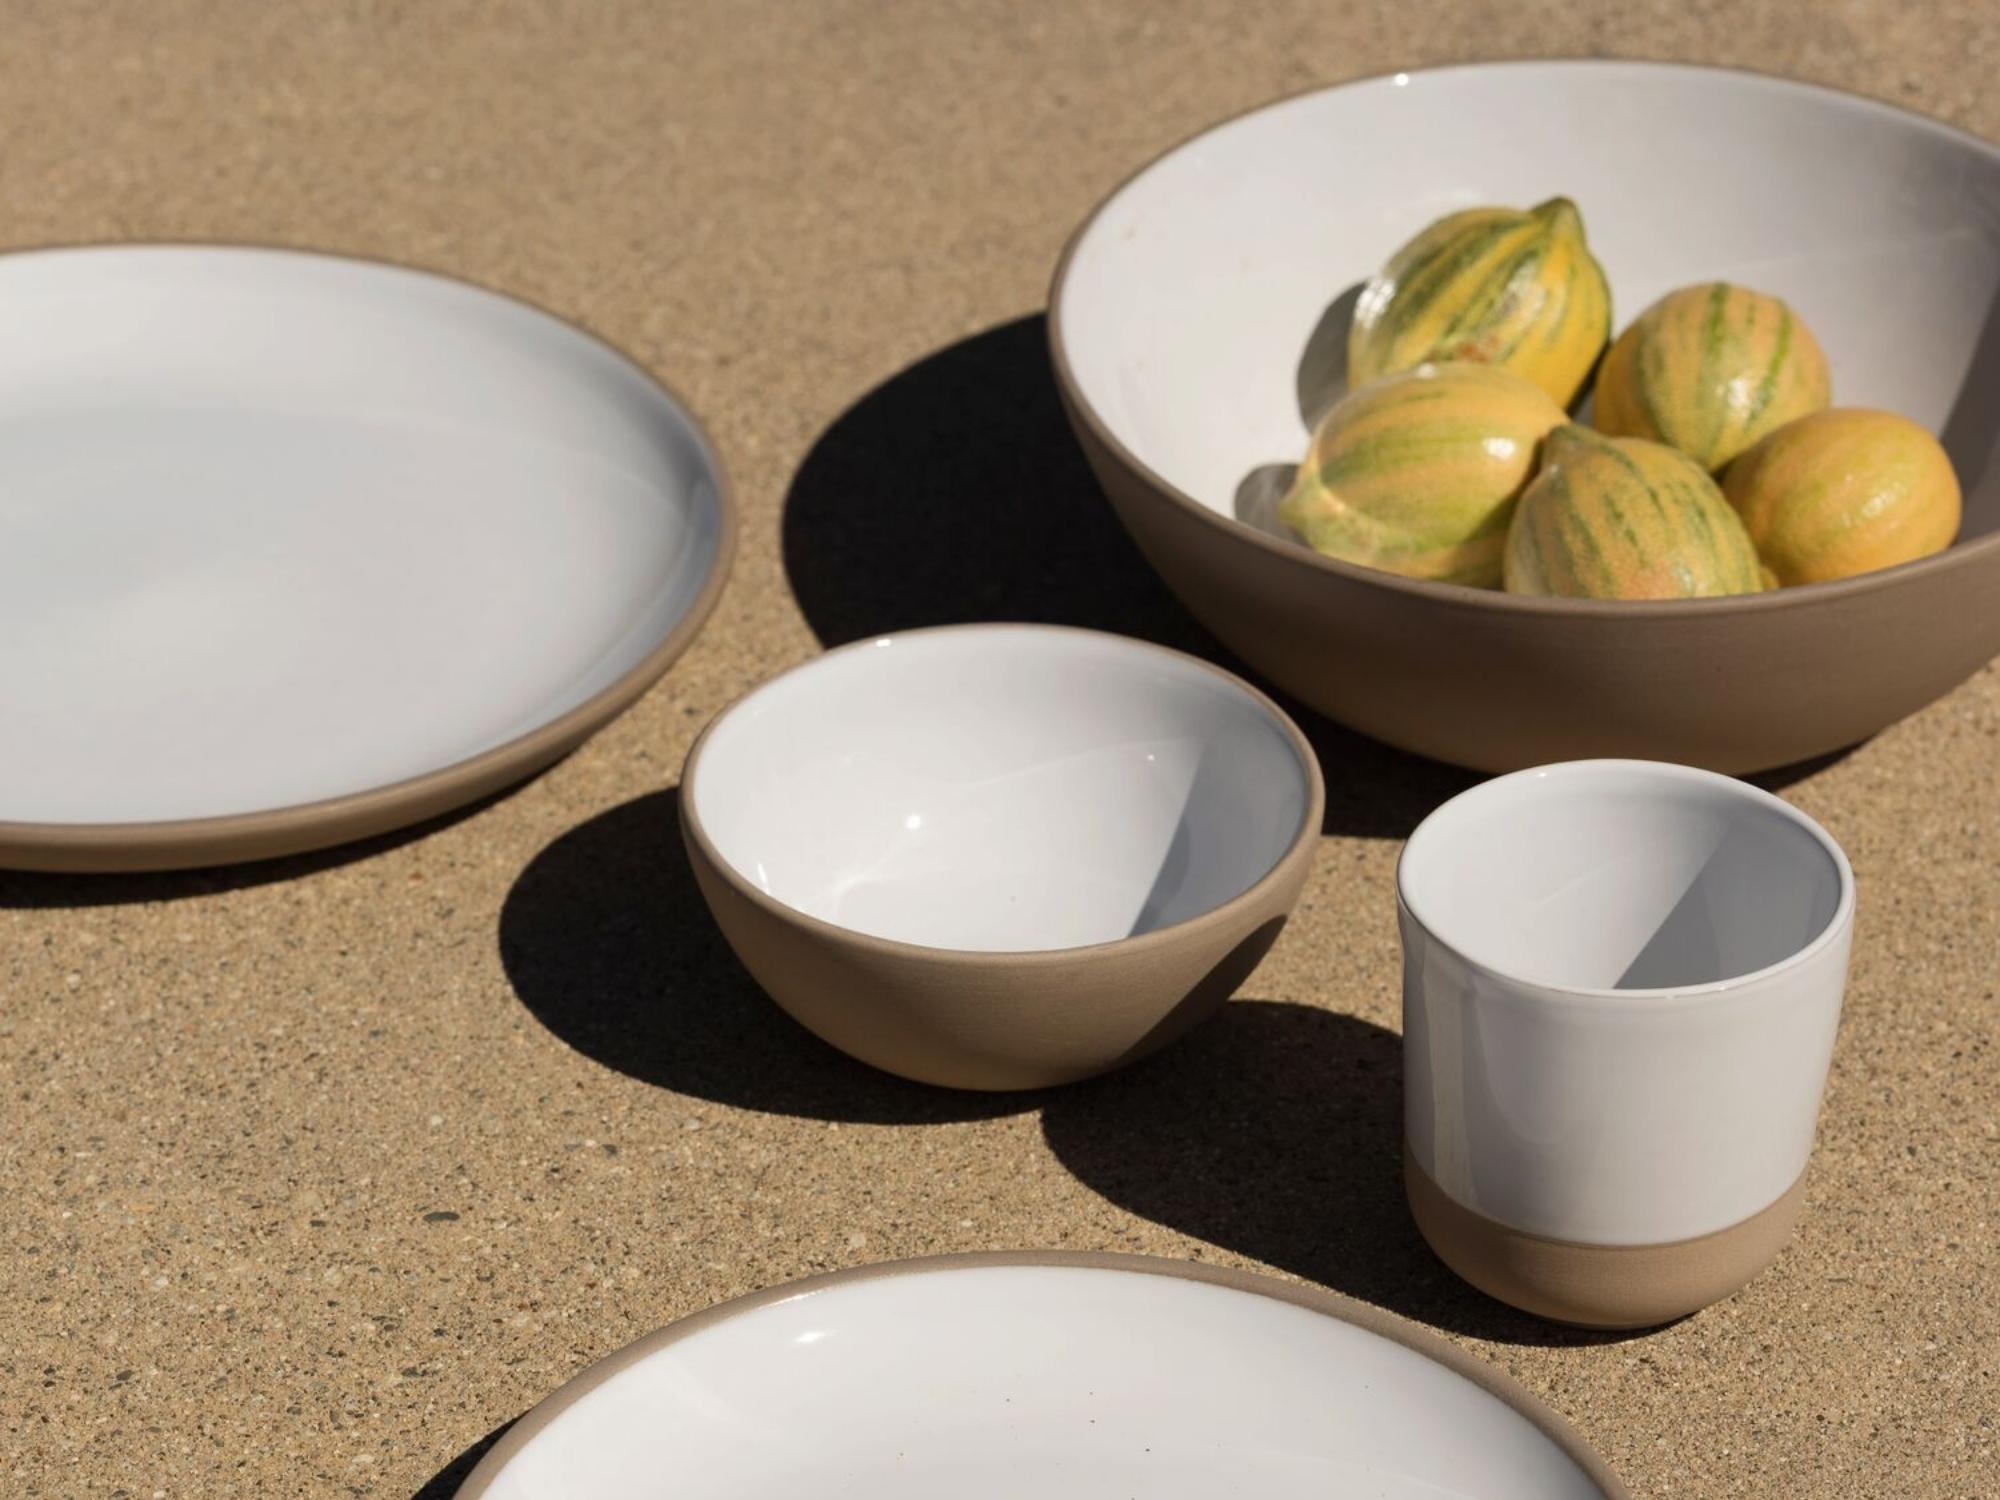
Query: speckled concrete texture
(315,1175)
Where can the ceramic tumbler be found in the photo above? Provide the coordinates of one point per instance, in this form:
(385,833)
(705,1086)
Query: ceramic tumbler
(1621,983)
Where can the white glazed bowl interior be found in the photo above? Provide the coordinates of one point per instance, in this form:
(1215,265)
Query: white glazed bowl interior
(1623,875)
(1053,1381)
(1191,301)
(1001,788)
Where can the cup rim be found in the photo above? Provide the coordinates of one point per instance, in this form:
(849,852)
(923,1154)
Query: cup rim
(1300,848)
(1661,771)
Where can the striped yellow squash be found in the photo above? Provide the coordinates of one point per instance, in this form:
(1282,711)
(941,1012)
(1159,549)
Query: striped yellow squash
(1711,369)
(1494,286)
(1844,492)
(1621,518)
(1417,473)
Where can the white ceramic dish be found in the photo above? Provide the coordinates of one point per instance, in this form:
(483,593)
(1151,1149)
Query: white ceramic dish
(1199,320)
(1041,1374)
(295,548)
(1896,287)
(1001,856)
(1622,981)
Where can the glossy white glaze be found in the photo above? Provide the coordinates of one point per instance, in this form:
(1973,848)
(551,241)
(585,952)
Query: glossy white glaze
(1002,788)
(1059,1382)
(1621,985)
(1193,300)
(278,527)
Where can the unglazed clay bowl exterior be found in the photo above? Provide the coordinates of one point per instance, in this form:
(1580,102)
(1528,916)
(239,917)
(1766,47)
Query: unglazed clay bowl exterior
(1621,982)
(1198,325)
(1001,856)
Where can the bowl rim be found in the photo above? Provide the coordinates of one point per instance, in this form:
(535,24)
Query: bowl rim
(1489,1377)
(1299,850)
(1650,999)
(328,822)
(1959,554)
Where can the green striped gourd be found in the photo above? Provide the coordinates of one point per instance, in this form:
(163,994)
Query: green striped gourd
(1417,473)
(1621,518)
(1843,492)
(1494,286)
(1711,369)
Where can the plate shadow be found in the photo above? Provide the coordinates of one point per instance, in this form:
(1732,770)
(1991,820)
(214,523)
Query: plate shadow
(606,939)
(33,890)
(1275,1131)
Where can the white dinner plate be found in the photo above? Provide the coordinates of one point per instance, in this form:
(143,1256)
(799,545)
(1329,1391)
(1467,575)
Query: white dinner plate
(1061,1376)
(296,548)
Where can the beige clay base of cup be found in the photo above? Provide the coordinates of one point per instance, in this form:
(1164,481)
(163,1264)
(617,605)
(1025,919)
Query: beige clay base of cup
(1597,1286)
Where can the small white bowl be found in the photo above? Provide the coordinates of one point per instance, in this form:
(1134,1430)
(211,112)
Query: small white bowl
(1001,856)
(1621,985)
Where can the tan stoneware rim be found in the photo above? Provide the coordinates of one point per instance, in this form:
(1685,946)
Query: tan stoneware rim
(229,837)
(1489,1378)
(1691,994)
(1797,596)
(1299,850)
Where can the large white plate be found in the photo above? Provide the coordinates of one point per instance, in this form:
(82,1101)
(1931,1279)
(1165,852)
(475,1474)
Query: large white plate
(1050,1375)
(296,548)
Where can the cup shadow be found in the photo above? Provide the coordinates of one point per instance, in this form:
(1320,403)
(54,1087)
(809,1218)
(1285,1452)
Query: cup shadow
(607,941)
(1275,1131)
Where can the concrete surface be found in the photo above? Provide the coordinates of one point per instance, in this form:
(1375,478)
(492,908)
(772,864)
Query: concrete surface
(316,1175)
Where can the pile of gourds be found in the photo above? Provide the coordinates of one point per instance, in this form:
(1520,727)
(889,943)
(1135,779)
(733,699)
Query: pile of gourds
(1713,462)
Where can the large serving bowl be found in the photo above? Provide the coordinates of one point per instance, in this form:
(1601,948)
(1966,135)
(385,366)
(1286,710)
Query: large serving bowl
(1197,322)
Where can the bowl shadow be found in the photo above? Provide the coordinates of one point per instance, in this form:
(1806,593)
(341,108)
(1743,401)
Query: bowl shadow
(955,492)
(607,941)
(1275,1131)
